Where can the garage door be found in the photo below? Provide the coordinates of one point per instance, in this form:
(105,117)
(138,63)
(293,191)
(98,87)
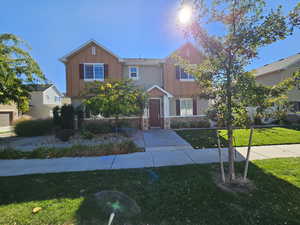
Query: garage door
(5,119)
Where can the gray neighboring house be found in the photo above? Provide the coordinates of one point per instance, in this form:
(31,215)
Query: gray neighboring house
(44,98)
(273,73)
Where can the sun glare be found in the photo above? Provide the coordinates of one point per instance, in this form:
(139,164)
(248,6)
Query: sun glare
(185,14)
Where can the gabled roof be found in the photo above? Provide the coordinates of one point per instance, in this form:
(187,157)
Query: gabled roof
(187,44)
(142,61)
(39,87)
(162,90)
(281,64)
(43,87)
(65,57)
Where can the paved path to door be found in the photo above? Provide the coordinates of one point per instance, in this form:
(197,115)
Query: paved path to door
(161,140)
(139,160)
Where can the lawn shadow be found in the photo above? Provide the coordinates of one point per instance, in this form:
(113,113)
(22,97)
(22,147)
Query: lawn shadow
(181,195)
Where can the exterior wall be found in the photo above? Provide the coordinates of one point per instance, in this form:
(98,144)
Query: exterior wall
(174,86)
(50,95)
(36,98)
(202,106)
(40,111)
(276,77)
(75,85)
(42,103)
(148,75)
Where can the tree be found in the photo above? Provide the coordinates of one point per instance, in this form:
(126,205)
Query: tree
(246,26)
(115,99)
(17,70)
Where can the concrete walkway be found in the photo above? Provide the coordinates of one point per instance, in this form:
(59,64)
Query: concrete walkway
(139,160)
(160,140)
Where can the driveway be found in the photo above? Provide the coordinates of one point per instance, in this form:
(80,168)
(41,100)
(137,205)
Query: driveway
(159,139)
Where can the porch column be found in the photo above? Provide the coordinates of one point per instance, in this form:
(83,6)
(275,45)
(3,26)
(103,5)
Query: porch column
(166,102)
(145,119)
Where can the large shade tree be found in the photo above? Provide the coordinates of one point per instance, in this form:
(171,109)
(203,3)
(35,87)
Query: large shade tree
(243,28)
(18,70)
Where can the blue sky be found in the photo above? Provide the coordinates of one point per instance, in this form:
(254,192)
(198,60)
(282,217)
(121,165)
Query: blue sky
(129,28)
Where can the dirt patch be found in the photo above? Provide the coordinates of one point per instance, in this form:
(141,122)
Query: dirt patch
(239,185)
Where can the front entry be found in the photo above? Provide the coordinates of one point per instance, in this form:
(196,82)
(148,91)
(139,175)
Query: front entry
(154,113)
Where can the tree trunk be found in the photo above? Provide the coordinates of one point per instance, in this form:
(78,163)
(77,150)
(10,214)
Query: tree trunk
(248,153)
(220,158)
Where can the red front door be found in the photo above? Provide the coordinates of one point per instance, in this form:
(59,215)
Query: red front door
(154,113)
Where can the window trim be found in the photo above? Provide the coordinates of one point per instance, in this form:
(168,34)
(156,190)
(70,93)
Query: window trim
(186,79)
(182,99)
(137,72)
(94,79)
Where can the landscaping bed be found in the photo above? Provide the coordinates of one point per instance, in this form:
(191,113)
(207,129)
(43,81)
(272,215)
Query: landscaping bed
(207,138)
(121,147)
(166,196)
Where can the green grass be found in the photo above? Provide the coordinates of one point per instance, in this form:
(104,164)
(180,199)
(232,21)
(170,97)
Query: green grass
(182,195)
(74,151)
(261,136)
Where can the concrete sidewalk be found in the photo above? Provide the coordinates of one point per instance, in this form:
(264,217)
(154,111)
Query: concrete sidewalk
(140,160)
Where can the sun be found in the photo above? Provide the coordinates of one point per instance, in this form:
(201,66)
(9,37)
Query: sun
(185,15)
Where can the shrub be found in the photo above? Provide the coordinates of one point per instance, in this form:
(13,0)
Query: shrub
(179,124)
(30,128)
(200,124)
(74,151)
(87,134)
(99,128)
(56,116)
(67,114)
(64,135)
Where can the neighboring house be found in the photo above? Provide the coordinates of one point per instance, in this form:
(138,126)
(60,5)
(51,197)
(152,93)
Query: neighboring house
(273,73)
(8,114)
(44,97)
(173,94)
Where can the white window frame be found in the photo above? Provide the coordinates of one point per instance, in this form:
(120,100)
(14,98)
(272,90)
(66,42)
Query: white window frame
(137,72)
(186,79)
(56,99)
(181,111)
(89,79)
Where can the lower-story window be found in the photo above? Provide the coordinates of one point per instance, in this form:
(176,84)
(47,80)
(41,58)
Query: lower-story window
(186,107)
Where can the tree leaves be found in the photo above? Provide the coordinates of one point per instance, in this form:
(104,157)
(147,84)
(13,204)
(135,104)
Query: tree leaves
(17,70)
(114,98)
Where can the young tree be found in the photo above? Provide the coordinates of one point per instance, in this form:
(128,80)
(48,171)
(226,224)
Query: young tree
(115,99)
(246,26)
(17,70)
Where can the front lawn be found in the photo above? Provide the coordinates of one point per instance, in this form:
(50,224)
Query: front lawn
(261,136)
(167,196)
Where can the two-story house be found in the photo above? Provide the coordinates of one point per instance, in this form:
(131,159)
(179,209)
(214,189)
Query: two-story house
(273,73)
(43,98)
(173,94)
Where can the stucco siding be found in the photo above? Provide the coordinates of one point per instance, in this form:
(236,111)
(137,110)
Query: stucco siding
(276,77)
(51,96)
(147,75)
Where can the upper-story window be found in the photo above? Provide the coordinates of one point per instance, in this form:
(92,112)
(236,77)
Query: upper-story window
(183,76)
(94,71)
(186,77)
(134,72)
